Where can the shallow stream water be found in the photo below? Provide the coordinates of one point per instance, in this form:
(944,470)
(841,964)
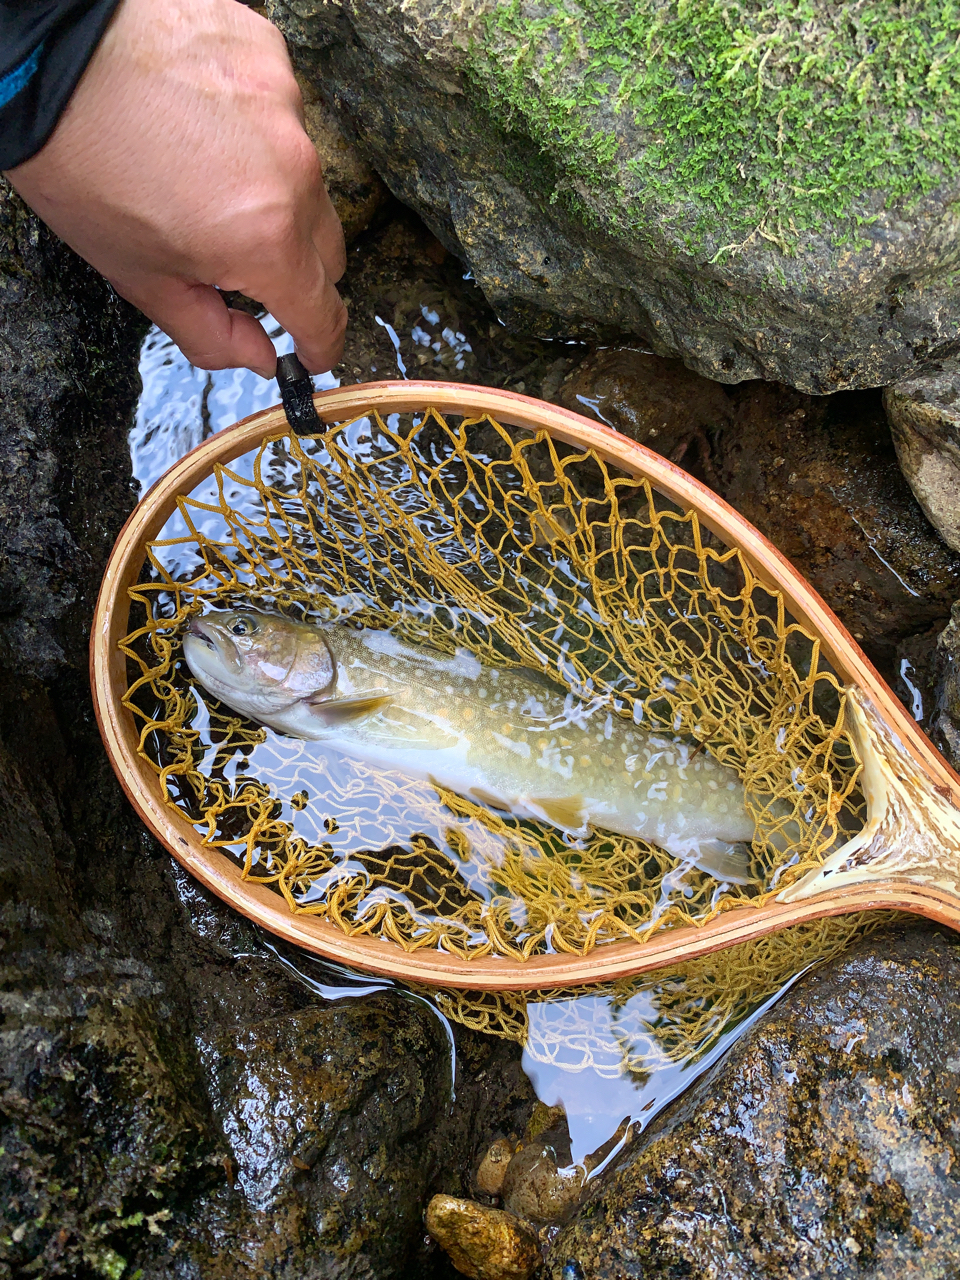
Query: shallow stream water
(580,1053)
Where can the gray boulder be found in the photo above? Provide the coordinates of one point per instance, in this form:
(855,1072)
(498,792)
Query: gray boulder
(767,196)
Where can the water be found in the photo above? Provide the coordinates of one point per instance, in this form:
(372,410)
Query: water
(180,406)
(603,1060)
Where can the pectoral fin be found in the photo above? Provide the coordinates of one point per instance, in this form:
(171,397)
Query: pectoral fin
(565,812)
(336,710)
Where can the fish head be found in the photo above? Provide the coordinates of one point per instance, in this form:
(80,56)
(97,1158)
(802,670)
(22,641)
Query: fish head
(258,662)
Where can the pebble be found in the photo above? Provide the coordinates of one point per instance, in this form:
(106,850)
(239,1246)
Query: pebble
(483,1243)
(493,1167)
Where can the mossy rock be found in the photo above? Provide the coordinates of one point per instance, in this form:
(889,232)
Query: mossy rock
(765,190)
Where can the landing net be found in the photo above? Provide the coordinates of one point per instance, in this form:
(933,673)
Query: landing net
(462,533)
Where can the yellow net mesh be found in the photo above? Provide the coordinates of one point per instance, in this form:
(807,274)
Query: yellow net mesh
(464,533)
(638,1026)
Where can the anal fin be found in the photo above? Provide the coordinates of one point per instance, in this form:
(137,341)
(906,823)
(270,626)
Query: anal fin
(724,860)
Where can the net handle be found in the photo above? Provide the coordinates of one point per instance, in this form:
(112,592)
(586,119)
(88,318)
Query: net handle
(296,395)
(221,875)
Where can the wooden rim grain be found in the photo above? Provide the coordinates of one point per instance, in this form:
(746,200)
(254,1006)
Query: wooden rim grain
(220,874)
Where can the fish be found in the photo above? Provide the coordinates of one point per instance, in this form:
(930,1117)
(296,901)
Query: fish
(502,737)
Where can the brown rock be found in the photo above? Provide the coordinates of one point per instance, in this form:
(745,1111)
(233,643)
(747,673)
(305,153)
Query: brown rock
(924,416)
(534,1188)
(483,1243)
(656,402)
(493,1167)
(356,190)
(824,1144)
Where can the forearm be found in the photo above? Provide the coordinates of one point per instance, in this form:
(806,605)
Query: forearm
(45,46)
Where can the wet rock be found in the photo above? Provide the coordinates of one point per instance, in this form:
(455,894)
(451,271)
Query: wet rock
(925,423)
(68,378)
(493,1167)
(659,403)
(823,1144)
(945,718)
(176,1100)
(598,173)
(917,677)
(101,1116)
(99,1108)
(483,1243)
(536,1189)
(817,475)
(358,194)
(327,1111)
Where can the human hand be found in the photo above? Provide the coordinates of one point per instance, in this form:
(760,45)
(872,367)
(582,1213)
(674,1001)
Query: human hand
(181,164)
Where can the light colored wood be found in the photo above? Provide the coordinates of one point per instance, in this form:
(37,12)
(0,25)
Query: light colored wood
(222,876)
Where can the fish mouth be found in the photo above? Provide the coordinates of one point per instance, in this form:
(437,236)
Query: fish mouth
(202,630)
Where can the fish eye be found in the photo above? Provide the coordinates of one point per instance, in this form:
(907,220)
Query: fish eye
(243,626)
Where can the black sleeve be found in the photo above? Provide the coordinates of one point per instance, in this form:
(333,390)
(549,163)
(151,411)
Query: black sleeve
(44,47)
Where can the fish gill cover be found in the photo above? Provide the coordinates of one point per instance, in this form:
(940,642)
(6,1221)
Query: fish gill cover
(464,534)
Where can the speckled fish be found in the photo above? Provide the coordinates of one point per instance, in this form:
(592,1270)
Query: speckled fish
(497,736)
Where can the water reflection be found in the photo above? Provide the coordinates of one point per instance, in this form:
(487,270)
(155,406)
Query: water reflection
(180,406)
(597,1084)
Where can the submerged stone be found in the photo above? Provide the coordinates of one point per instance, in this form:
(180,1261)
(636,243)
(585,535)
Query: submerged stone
(534,1187)
(747,190)
(483,1243)
(493,1167)
(823,1144)
(818,476)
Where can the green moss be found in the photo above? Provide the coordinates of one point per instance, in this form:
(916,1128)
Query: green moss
(731,119)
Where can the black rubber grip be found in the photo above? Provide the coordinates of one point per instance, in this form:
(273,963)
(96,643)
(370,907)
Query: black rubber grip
(296,392)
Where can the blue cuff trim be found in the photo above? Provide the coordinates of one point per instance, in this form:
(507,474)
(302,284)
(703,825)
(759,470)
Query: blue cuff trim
(20,77)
